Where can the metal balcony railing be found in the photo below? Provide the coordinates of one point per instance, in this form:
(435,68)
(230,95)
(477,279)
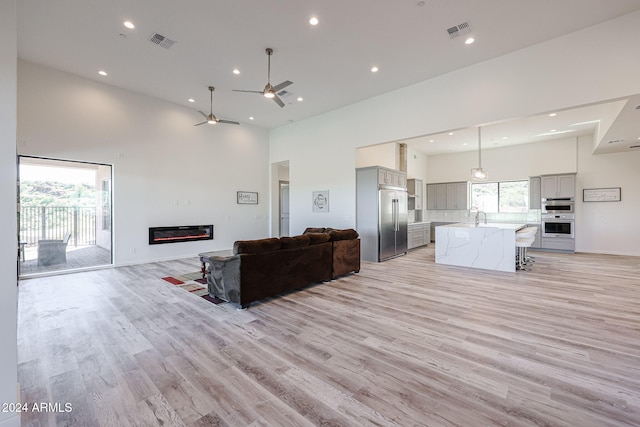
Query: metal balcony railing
(53,222)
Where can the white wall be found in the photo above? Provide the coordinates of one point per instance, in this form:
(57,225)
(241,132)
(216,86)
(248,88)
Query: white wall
(8,244)
(385,155)
(608,227)
(568,71)
(166,171)
(507,163)
(417,166)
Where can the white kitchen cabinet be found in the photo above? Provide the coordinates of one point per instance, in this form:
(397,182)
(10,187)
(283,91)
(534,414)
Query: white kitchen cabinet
(556,186)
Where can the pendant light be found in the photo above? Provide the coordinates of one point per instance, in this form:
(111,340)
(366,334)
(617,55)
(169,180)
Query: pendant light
(479,174)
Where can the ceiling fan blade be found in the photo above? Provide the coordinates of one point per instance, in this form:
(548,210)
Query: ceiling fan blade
(198,124)
(229,122)
(203,114)
(278,101)
(282,85)
(250,91)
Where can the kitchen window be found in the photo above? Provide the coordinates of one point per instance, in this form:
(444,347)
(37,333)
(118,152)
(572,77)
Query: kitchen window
(506,196)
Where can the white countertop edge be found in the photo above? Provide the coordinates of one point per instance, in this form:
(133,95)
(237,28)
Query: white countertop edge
(499,225)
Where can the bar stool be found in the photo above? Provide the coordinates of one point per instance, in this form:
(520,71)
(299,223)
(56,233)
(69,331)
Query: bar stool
(524,239)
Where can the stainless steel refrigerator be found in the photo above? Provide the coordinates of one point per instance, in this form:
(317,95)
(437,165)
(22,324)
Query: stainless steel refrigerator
(392,224)
(381,214)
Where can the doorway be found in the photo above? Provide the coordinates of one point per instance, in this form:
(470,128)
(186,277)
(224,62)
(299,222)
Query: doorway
(64,215)
(284,208)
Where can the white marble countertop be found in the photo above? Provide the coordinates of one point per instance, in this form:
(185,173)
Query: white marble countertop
(500,225)
(419,222)
(490,246)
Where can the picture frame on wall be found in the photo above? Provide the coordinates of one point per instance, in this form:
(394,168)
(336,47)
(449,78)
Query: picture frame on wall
(247,197)
(320,201)
(612,194)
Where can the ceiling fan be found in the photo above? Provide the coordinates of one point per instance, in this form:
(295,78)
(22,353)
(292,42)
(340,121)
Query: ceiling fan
(210,118)
(270,91)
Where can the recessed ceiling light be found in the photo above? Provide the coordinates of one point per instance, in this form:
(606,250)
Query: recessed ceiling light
(374,69)
(464,143)
(236,71)
(313,20)
(191,100)
(300,99)
(129,25)
(102,73)
(432,140)
(250,117)
(505,137)
(450,133)
(470,40)
(553,114)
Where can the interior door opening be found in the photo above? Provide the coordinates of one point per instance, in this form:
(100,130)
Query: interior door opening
(64,215)
(284,208)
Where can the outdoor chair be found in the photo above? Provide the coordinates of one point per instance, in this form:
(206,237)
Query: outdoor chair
(52,252)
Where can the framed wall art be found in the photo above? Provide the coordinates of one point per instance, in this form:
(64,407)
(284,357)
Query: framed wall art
(601,194)
(247,198)
(321,201)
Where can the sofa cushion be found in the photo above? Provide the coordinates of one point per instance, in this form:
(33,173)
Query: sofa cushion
(314,230)
(347,234)
(256,246)
(317,238)
(294,242)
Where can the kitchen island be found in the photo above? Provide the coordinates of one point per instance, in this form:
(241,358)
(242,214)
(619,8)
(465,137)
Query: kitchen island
(487,246)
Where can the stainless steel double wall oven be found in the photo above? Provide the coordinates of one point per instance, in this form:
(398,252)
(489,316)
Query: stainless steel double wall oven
(558,217)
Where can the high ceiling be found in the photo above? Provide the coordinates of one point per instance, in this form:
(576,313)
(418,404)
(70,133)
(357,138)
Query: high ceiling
(329,64)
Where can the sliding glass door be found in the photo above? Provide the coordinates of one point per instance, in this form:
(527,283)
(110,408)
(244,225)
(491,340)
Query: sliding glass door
(64,215)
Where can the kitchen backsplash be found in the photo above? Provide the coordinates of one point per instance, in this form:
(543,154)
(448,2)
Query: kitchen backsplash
(533,216)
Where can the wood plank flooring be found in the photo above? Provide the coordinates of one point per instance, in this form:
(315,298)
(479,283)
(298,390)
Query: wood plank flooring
(404,342)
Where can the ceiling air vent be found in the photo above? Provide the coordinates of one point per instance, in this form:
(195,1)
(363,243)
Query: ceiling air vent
(635,146)
(458,30)
(161,41)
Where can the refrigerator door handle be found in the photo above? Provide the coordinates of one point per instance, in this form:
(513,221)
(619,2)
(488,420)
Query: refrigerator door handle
(396,214)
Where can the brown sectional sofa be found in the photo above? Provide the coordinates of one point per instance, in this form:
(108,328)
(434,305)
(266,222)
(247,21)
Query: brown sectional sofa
(267,267)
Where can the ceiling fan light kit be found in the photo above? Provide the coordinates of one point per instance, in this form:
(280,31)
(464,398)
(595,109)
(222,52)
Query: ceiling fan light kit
(211,118)
(269,90)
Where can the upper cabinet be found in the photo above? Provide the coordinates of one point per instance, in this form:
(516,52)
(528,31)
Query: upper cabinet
(450,195)
(414,188)
(392,177)
(535,201)
(556,186)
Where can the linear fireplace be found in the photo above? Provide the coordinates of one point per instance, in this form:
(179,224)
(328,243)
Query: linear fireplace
(180,233)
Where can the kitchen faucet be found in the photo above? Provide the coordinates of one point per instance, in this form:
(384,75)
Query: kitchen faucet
(478,217)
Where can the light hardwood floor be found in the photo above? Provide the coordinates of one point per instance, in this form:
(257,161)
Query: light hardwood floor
(404,342)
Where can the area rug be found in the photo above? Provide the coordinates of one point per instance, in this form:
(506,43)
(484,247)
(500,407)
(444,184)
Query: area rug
(194,283)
